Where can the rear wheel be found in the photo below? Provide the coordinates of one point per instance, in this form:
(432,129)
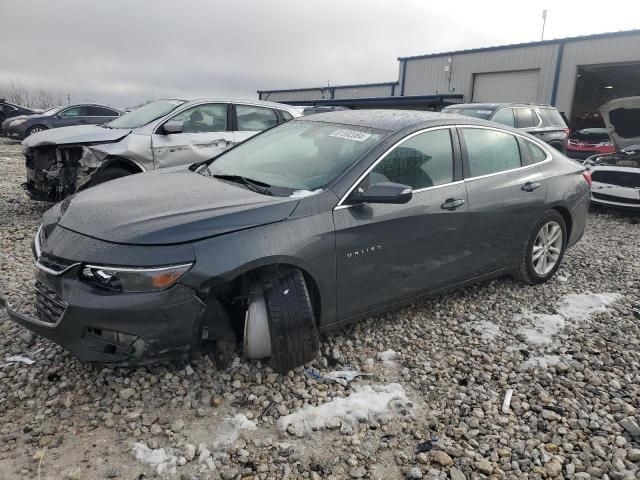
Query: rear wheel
(544,249)
(280,321)
(36,129)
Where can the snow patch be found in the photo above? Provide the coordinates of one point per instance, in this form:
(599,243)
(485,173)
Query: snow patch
(544,328)
(543,361)
(580,306)
(366,402)
(229,430)
(574,306)
(388,358)
(161,460)
(488,330)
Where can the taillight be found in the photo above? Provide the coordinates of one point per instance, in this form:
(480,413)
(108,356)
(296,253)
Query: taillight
(587,177)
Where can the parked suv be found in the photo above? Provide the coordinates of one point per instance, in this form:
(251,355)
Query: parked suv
(164,133)
(542,121)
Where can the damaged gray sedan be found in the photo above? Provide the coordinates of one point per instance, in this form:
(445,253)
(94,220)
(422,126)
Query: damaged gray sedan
(160,134)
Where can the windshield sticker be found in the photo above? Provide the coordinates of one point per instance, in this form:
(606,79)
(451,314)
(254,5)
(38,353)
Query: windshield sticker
(486,112)
(351,135)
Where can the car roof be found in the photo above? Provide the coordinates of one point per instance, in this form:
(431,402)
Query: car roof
(394,120)
(280,106)
(493,106)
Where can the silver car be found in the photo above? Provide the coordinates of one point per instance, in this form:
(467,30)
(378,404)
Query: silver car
(160,134)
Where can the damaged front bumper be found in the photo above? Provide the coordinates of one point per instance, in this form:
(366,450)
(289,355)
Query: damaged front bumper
(122,329)
(55,172)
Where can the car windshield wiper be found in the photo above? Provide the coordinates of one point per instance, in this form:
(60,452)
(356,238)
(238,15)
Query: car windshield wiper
(255,185)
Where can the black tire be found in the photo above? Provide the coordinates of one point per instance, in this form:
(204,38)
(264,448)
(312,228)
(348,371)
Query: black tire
(39,128)
(110,173)
(525,271)
(292,325)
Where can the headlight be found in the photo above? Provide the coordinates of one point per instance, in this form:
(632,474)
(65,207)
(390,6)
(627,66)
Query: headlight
(125,279)
(17,122)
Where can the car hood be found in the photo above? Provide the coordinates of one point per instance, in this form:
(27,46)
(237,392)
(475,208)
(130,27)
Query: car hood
(622,118)
(161,208)
(75,134)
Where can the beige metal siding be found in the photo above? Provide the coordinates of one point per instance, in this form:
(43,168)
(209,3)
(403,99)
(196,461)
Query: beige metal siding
(520,86)
(363,91)
(605,50)
(295,95)
(427,76)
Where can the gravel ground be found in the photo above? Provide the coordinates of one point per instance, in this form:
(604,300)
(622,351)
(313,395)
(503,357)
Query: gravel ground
(427,403)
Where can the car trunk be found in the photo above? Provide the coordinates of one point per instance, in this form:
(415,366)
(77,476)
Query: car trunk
(622,118)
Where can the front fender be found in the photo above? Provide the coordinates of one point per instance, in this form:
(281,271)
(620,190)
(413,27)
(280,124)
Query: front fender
(307,243)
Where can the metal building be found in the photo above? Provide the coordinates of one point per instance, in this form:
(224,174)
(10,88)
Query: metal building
(576,74)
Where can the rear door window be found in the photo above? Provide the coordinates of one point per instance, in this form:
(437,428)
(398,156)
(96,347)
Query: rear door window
(255,119)
(102,112)
(490,151)
(505,117)
(423,161)
(526,117)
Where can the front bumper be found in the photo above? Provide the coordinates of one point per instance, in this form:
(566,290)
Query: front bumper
(122,329)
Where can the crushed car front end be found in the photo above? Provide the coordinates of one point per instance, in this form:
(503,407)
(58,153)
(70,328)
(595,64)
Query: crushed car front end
(86,307)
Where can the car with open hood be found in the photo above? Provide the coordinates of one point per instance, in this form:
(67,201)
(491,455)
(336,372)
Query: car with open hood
(310,225)
(616,176)
(587,142)
(82,114)
(159,134)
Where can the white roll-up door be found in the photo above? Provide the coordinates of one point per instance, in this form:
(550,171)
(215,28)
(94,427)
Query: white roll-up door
(520,86)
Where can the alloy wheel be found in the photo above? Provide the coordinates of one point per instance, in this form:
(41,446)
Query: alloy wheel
(547,248)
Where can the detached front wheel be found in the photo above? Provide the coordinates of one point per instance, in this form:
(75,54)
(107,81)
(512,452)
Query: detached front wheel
(280,321)
(544,249)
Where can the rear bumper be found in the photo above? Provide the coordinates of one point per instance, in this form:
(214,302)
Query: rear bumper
(579,215)
(121,329)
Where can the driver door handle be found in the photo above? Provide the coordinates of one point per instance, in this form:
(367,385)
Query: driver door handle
(452,203)
(222,143)
(530,186)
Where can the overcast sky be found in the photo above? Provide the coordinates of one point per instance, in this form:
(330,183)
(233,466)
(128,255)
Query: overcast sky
(124,51)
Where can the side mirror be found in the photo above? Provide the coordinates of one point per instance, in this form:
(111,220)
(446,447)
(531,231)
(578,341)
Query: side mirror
(384,192)
(173,126)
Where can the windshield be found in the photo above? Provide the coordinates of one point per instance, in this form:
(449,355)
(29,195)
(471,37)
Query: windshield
(470,112)
(145,114)
(298,156)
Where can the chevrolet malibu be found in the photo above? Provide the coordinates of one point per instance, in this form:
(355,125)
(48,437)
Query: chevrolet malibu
(308,226)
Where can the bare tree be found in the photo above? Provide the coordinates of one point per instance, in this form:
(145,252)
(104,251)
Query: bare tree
(15,91)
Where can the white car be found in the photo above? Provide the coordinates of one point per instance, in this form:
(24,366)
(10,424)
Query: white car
(160,134)
(616,176)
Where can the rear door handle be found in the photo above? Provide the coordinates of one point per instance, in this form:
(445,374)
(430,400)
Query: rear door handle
(452,203)
(530,186)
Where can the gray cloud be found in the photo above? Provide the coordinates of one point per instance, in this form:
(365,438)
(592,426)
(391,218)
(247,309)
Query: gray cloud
(123,52)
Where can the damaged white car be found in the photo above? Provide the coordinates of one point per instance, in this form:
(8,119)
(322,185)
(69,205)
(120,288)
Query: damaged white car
(616,176)
(160,134)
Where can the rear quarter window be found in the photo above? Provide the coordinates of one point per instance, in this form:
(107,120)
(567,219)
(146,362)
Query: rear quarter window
(552,118)
(537,154)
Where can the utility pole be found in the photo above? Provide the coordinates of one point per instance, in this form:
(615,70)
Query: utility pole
(544,21)
(68,99)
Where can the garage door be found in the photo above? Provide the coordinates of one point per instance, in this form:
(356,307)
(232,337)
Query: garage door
(520,86)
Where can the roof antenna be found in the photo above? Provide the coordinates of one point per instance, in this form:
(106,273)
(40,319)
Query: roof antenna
(544,21)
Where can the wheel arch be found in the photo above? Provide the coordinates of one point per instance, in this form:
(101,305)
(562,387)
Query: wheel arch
(114,161)
(566,215)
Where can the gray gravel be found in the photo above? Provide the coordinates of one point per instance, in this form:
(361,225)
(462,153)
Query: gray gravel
(573,415)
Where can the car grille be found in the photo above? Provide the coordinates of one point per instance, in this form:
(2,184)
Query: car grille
(49,305)
(612,198)
(56,265)
(621,179)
